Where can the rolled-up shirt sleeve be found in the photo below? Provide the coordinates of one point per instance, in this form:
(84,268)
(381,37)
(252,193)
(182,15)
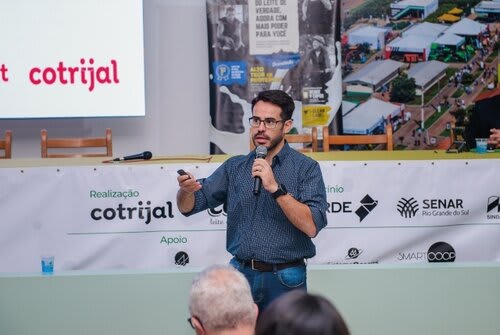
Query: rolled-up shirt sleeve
(313,194)
(213,191)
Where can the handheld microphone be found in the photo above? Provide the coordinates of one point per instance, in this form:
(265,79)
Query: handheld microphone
(260,152)
(145,156)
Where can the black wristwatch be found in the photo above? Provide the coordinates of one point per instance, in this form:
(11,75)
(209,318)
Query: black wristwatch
(280,191)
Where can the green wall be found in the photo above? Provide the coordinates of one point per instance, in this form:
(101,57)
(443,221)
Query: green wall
(374,299)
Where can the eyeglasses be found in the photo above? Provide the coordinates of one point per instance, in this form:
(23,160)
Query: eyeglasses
(269,123)
(190,321)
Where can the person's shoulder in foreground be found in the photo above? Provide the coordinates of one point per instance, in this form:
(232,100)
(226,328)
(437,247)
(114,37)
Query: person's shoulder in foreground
(300,313)
(220,302)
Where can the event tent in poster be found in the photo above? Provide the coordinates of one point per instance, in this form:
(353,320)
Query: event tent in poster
(374,36)
(373,76)
(426,74)
(348,106)
(489,9)
(368,116)
(413,44)
(449,39)
(425,29)
(467,27)
(448,18)
(415,8)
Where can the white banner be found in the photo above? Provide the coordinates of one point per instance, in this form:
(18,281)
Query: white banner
(125,216)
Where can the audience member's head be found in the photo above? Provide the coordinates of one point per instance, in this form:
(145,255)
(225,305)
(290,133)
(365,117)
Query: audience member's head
(300,313)
(220,301)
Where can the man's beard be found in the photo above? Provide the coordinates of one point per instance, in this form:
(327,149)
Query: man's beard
(274,142)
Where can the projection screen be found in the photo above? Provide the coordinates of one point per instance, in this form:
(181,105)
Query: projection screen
(71,58)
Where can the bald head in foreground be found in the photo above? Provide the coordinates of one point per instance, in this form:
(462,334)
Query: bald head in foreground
(220,302)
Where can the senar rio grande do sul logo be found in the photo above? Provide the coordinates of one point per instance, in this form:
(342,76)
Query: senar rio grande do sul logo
(432,207)
(407,207)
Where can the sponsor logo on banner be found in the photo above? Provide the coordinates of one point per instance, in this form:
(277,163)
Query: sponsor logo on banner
(367,205)
(493,208)
(351,257)
(139,210)
(217,215)
(441,252)
(438,252)
(181,258)
(353,253)
(410,207)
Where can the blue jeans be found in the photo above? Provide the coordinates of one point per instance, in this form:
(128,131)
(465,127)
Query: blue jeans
(267,286)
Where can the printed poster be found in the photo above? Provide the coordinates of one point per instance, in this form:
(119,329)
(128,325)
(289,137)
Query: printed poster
(291,45)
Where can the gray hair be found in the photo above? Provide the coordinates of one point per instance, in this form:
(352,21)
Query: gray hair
(221,299)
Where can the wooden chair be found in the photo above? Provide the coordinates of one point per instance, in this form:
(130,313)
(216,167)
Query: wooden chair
(79,144)
(6,145)
(357,139)
(306,139)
